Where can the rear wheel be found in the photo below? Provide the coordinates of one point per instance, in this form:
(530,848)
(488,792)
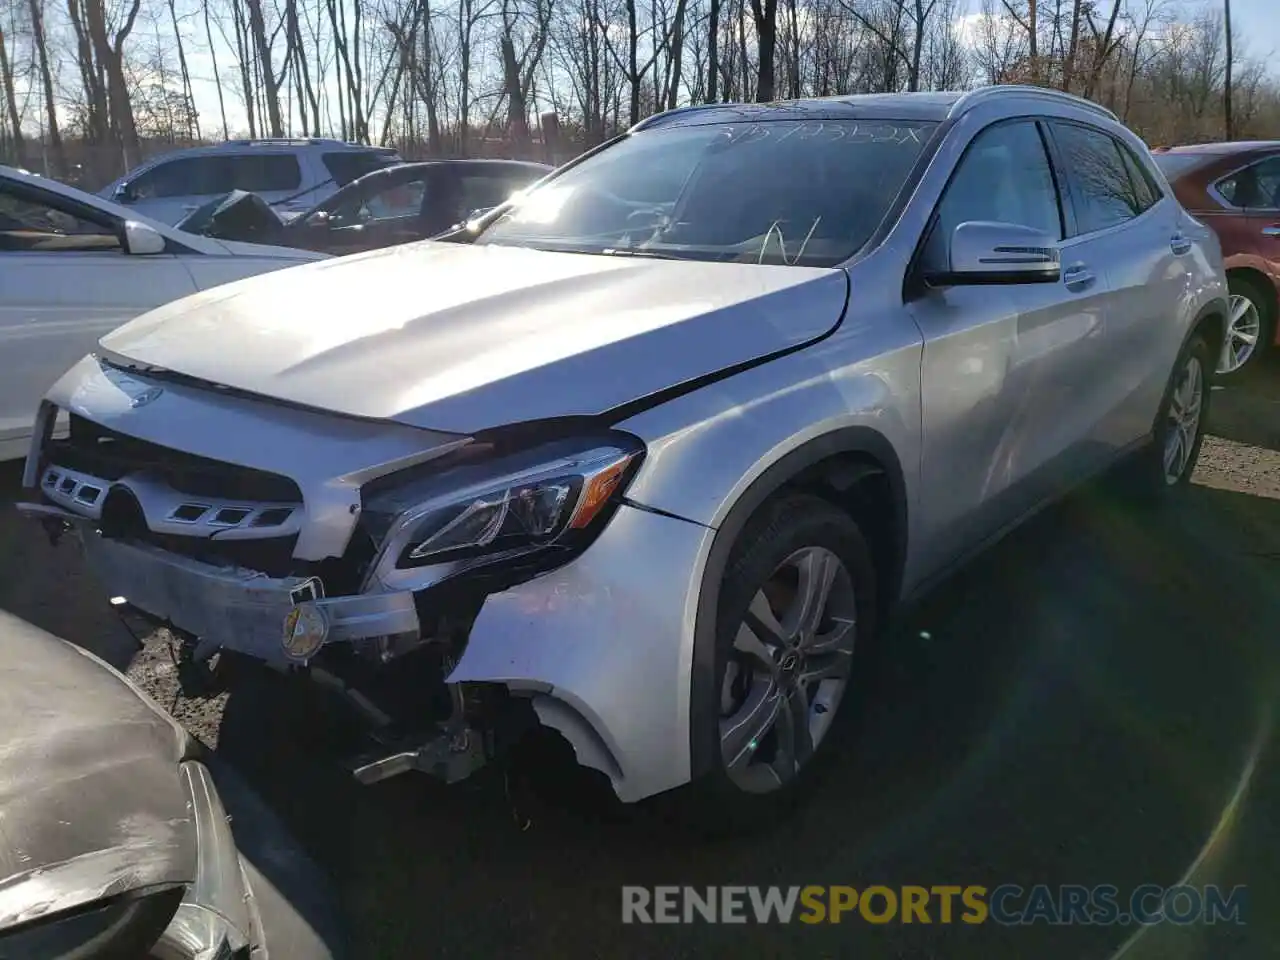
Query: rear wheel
(796,618)
(1250,326)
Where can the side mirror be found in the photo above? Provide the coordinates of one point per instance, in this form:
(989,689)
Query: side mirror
(141,240)
(477,213)
(123,193)
(984,252)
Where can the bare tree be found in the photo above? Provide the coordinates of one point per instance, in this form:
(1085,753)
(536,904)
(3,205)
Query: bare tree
(9,88)
(1226,86)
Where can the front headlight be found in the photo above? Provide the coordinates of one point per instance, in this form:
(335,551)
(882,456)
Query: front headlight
(551,498)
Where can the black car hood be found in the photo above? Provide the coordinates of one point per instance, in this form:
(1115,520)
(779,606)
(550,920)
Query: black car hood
(91,801)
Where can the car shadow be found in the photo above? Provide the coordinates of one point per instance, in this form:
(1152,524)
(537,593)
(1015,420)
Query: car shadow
(1078,706)
(50,587)
(1247,409)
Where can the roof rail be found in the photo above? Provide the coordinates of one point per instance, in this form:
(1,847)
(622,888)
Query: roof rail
(281,142)
(975,97)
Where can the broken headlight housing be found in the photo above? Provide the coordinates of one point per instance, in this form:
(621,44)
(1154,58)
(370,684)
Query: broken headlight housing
(489,506)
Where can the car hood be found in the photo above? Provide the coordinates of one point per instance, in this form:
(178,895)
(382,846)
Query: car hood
(460,338)
(91,800)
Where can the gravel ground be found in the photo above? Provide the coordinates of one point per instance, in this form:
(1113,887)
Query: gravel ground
(1080,706)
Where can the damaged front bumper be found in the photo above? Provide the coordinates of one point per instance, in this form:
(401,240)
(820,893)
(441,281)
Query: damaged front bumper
(282,620)
(238,524)
(248,611)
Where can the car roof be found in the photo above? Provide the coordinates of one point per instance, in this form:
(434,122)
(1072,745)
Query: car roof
(924,106)
(1222,149)
(407,171)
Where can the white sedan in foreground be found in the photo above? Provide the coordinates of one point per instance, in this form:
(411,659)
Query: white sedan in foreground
(73,267)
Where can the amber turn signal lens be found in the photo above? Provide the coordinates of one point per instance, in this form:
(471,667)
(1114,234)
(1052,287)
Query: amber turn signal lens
(596,492)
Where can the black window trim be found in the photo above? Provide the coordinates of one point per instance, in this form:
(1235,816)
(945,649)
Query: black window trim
(914,285)
(1215,193)
(1051,123)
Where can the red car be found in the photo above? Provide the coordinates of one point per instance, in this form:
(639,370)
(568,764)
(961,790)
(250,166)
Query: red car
(1235,189)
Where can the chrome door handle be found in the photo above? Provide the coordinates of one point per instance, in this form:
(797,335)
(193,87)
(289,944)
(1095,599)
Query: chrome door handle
(1179,244)
(1271,231)
(1077,276)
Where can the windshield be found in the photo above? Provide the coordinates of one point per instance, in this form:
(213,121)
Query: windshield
(795,192)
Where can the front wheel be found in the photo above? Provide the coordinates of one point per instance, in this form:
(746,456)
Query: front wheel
(795,620)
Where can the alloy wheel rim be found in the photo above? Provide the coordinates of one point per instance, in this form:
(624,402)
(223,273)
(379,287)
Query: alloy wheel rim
(789,669)
(1182,424)
(1243,331)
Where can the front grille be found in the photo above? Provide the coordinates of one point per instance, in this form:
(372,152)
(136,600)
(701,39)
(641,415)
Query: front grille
(102,452)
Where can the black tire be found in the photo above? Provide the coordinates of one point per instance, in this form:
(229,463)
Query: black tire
(1145,477)
(715,804)
(1264,300)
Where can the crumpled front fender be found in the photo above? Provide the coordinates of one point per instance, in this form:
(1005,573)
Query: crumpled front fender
(604,648)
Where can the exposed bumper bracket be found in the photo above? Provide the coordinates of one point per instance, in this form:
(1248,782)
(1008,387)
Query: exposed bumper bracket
(449,756)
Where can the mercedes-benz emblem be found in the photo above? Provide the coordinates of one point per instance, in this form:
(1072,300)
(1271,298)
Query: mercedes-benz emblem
(146,397)
(789,663)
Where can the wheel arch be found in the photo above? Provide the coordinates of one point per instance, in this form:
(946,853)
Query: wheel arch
(1211,321)
(1260,279)
(856,468)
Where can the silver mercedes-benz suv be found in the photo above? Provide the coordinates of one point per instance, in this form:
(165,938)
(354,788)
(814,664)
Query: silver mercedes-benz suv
(649,454)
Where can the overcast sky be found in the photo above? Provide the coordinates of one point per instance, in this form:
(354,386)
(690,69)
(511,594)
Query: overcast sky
(1257,21)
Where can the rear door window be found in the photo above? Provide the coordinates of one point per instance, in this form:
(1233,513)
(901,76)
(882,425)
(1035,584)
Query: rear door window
(1103,193)
(259,173)
(347,165)
(1257,186)
(485,190)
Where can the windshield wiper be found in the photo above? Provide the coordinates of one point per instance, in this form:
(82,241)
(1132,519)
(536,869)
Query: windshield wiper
(644,254)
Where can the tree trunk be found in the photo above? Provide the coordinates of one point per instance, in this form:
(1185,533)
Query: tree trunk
(765,16)
(713,51)
(677,54)
(41,43)
(244,58)
(109,52)
(191,117)
(217,81)
(10,99)
(633,62)
(270,86)
(1226,88)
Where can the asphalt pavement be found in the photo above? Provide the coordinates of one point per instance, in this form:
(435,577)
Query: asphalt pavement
(1094,701)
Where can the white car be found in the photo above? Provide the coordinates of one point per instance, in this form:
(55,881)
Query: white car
(73,267)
